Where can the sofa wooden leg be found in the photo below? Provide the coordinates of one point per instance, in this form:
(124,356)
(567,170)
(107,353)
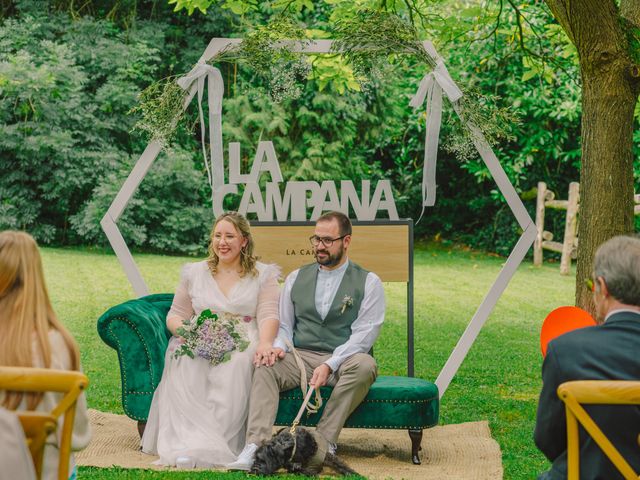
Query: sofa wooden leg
(416,439)
(141,426)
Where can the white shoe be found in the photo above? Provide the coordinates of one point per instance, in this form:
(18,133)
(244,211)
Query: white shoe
(245,459)
(185,463)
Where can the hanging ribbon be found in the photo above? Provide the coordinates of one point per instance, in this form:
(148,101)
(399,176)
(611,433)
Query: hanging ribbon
(194,82)
(430,90)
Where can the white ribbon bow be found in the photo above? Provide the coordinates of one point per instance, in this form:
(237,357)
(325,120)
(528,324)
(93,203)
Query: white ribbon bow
(430,90)
(215,84)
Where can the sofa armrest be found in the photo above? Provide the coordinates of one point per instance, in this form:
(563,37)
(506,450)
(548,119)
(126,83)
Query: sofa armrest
(137,331)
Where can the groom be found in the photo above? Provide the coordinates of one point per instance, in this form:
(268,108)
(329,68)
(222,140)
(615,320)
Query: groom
(331,311)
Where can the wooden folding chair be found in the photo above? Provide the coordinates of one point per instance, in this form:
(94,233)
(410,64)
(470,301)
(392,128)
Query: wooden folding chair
(37,425)
(595,392)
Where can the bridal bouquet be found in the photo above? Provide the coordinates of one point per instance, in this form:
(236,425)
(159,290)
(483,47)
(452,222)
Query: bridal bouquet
(211,336)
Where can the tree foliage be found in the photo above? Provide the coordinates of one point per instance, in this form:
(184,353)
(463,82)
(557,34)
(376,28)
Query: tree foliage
(67,81)
(66,86)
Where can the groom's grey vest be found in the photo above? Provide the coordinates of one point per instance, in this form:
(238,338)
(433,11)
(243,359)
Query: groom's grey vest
(310,331)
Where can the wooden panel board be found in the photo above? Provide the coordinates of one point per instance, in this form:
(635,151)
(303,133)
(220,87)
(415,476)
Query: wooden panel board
(383,249)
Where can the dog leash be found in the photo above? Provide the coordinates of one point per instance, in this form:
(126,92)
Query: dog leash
(296,421)
(311,407)
(307,390)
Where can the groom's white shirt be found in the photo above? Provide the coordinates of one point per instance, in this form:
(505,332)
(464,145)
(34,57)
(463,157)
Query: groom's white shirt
(365,328)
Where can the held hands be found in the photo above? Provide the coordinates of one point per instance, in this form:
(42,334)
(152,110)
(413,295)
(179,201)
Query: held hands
(267,355)
(320,376)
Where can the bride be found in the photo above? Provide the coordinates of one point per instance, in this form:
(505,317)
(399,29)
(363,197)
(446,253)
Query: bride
(198,413)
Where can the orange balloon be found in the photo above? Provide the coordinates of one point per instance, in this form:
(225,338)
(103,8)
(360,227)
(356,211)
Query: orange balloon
(563,320)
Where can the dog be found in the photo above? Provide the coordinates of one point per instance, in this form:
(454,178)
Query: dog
(293,453)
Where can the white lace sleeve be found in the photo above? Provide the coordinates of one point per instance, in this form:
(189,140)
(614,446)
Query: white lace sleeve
(269,294)
(182,306)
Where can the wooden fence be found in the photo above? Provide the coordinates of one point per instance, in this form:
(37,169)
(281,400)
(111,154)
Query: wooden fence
(568,248)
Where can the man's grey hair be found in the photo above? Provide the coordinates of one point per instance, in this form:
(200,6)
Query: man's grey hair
(618,262)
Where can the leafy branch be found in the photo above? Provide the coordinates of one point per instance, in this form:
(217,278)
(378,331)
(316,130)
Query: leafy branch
(368,40)
(267,50)
(370,37)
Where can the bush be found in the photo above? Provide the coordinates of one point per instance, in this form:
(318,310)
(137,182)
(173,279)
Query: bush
(170,212)
(65,144)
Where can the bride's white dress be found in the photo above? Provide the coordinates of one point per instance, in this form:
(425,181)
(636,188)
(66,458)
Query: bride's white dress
(199,410)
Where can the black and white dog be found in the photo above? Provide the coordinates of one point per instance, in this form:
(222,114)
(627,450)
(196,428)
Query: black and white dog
(293,453)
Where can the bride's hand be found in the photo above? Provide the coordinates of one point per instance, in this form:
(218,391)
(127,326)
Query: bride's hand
(267,357)
(263,354)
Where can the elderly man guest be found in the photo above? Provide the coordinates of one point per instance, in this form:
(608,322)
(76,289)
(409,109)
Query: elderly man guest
(609,351)
(331,311)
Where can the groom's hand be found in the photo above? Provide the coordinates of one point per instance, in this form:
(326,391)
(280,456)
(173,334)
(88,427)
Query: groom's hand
(320,376)
(278,354)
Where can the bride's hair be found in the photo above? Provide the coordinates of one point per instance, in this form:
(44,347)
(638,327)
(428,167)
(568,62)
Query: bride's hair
(247,259)
(26,315)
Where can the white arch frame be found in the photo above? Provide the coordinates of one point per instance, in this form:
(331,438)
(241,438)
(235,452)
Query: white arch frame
(139,171)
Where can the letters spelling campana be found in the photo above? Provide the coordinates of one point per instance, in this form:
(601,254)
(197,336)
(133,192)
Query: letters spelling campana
(298,197)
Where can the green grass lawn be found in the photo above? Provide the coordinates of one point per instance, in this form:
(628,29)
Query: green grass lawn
(499,380)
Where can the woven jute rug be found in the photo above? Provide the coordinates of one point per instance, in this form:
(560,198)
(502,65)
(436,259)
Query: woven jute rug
(461,451)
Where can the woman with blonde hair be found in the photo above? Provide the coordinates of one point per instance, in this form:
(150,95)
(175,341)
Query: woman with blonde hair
(199,411)
(32,336)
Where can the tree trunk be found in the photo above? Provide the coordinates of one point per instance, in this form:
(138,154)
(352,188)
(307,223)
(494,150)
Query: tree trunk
(609,95)
(606,174)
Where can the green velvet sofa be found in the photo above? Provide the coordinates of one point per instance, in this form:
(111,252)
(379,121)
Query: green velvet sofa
(136,330)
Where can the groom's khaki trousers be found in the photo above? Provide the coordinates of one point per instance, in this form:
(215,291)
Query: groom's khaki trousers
(350,384)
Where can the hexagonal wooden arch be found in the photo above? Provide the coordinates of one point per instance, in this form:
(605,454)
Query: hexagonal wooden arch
(139,171)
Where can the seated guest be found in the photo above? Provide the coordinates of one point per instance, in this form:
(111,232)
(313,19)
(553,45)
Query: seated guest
(32,336)
(14,455)
(609,351)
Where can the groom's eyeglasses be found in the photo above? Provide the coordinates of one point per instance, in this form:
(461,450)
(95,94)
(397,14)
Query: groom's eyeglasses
(327,242)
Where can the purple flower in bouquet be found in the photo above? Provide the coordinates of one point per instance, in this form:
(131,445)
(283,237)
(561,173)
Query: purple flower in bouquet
(211,336)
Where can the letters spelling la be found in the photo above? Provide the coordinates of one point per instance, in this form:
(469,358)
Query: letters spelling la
(301,251)
(298,197)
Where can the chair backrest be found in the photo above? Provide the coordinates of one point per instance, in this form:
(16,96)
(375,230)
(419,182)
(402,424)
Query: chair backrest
(595,392)
(69,383)
(37,427)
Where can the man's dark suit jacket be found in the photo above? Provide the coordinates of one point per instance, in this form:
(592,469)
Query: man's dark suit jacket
(610,351)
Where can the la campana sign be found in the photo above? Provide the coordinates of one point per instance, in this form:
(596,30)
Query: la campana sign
(297,200)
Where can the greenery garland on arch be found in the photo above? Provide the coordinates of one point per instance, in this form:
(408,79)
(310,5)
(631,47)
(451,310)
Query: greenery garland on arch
(366,42)
(264,50)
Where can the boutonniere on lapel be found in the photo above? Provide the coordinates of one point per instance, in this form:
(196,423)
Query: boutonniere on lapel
(347,302)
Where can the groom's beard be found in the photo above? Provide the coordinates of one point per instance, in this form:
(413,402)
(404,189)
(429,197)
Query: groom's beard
(329,260)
